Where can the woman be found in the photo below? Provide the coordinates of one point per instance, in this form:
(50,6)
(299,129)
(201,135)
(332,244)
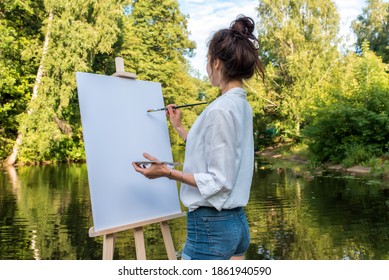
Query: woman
(219,155)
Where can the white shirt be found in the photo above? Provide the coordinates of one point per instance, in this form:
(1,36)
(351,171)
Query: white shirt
(220,154)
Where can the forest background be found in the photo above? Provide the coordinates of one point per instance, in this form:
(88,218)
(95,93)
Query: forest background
(333,103)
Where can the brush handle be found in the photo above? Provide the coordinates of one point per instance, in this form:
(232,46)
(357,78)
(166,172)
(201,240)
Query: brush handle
(178,106)
(188,105)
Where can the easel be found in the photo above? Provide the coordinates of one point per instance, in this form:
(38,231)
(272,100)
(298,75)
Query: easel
(109,235)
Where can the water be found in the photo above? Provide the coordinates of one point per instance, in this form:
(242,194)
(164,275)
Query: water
(45,213)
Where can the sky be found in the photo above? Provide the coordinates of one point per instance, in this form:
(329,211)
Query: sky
(208,16)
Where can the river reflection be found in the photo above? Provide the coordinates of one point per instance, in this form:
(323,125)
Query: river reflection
(45,213)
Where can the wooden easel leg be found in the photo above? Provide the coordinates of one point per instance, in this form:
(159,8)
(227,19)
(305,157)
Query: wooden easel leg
(139,243)
(167,238)
(108,246)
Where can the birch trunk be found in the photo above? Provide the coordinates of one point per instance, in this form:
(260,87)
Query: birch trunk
(11,159)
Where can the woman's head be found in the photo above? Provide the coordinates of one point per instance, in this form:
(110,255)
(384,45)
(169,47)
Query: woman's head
(235,50)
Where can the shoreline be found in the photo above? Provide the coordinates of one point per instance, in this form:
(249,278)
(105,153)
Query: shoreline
(275,153)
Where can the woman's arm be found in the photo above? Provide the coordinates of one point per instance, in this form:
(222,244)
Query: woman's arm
(161,170)
(185,178)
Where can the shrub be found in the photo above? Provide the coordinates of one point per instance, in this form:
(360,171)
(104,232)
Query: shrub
(353,135)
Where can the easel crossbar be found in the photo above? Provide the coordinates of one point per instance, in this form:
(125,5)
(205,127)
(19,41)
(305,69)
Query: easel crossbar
(93,233)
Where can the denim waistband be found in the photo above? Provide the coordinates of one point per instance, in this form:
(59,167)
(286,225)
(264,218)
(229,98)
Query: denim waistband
(205,208)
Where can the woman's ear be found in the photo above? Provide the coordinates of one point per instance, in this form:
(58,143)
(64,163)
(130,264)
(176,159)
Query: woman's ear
(217,64)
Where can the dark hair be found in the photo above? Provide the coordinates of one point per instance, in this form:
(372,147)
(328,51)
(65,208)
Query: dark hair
(236,47)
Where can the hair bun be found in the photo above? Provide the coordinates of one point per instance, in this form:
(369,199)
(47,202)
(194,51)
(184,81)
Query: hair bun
(243,26)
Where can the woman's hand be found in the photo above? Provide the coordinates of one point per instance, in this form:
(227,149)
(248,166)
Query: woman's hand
(175,119)
(174,115)
(155,170)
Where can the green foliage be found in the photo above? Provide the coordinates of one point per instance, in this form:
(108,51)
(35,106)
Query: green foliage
(356,126)
(84,36)
(341,132)
(298,44)
(356,153)
(379,166)
(263,112)
(20,39)
(308,84)
(155,45)
(372,26)
(81,38)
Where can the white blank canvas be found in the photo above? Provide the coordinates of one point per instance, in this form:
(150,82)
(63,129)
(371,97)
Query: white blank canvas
(117,130)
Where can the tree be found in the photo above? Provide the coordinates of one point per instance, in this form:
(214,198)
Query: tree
(298,40)
(373,26)
(20,37)
(82,34)
(155,45)
(355,126)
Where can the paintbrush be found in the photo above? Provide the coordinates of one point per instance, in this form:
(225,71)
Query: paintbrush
(157,162)
(176,107)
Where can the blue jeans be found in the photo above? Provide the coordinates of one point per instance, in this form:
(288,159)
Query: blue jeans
(214,235)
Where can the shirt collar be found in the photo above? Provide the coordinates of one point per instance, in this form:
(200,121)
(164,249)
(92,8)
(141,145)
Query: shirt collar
(236,90)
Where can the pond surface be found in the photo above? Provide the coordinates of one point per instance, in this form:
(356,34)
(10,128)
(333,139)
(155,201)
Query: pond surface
(45,213)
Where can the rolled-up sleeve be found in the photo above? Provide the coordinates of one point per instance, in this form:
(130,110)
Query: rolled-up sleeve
(221,152)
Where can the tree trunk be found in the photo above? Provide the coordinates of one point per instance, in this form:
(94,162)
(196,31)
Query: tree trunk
(11,159)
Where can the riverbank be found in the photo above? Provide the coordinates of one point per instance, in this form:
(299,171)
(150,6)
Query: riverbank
(300,155)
